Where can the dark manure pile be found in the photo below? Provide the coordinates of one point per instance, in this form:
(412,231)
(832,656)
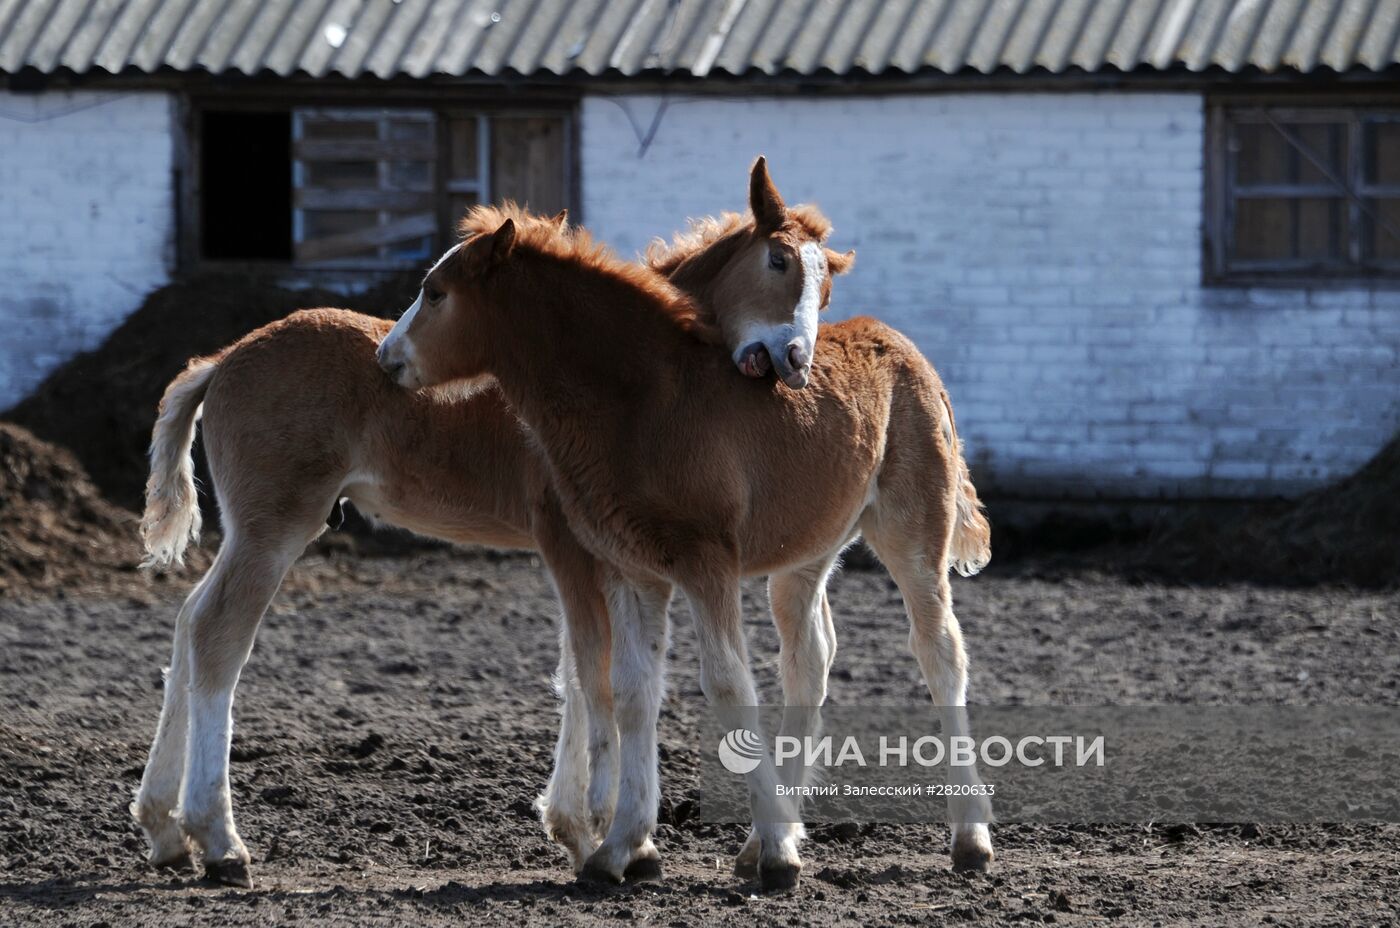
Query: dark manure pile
(101,404)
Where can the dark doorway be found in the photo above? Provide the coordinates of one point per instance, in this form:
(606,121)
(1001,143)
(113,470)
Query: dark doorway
(246,185)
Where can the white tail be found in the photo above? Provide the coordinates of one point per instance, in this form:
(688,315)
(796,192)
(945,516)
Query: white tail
(971,547)
(172,520)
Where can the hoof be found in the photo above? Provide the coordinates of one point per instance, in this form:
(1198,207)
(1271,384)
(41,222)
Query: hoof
(597,876)
(179,863)
(746,861)
(643,870)
(969,857)
(779,878)
(578,857)
(229,873)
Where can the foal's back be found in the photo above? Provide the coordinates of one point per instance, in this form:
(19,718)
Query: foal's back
(298,414)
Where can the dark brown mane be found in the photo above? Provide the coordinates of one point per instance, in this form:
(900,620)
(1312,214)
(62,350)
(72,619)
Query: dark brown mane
(576,246)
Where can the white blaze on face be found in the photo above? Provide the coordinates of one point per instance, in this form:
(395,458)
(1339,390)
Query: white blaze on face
(396,347)
(809,304)
(405,320)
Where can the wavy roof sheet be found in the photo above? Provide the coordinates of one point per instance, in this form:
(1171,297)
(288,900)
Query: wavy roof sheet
(539,38)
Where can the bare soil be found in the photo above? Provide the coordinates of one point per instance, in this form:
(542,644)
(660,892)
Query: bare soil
(395,723)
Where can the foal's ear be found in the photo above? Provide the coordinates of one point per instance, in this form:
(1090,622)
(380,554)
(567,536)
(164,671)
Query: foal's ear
(489,249)
(502,241)
(769,212)
(561,220)
(839,263)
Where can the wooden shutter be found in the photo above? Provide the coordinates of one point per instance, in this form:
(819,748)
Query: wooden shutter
(491,158)
(529,160)
(364,184)
(1303,192)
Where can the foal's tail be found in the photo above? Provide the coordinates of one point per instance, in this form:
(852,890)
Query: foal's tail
(172,519)
(971,547)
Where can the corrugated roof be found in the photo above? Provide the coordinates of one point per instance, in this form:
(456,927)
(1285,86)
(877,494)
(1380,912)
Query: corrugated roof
(421,38)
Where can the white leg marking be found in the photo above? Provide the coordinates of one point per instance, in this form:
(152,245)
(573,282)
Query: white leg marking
(640,630)
(222,625)
(158,796)
(564,805)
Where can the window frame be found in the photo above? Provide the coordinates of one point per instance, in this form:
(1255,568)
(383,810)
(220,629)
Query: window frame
(1219,266)
(446,104)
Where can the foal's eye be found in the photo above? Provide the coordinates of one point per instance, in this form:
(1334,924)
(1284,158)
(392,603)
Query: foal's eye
(777,261)
(433,294)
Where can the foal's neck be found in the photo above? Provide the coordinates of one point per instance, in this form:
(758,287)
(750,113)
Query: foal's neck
(583,341)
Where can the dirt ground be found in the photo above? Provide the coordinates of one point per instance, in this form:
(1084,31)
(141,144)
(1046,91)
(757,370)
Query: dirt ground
(395,723)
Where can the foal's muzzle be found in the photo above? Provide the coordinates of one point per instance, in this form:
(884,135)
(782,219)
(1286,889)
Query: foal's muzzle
(391,363)
(753,360)
(794,363)
(792,360)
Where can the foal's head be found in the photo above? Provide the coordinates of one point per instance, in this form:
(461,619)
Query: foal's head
(510,260)
(765,277)
(407,354)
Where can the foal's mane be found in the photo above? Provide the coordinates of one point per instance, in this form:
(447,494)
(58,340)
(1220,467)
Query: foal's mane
(576,246)
(709,231)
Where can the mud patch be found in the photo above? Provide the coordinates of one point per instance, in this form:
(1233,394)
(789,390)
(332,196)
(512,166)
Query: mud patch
(395,723)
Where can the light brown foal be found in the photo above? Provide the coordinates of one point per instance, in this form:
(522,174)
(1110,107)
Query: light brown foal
(297,416)
(673,471)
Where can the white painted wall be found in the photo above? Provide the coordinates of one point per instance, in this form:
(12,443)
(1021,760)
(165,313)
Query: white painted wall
(86,222)
(1044,251)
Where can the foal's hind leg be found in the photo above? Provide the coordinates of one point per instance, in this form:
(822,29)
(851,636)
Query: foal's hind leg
(639,638)
(728,685)
(158,796)
(225,617)
(807,646)
(920,569)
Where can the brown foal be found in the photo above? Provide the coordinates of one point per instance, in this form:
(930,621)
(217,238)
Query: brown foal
(672,471)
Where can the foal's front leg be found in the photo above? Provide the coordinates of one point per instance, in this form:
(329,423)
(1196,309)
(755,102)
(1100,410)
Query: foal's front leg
(807,647)
(728,684)
(639,639)
(563,806)
(576,808)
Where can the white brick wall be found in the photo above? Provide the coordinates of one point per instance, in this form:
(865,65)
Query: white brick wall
(86,220)
(1044,251)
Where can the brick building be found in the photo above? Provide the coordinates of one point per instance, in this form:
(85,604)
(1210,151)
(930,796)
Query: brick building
(1152,245)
